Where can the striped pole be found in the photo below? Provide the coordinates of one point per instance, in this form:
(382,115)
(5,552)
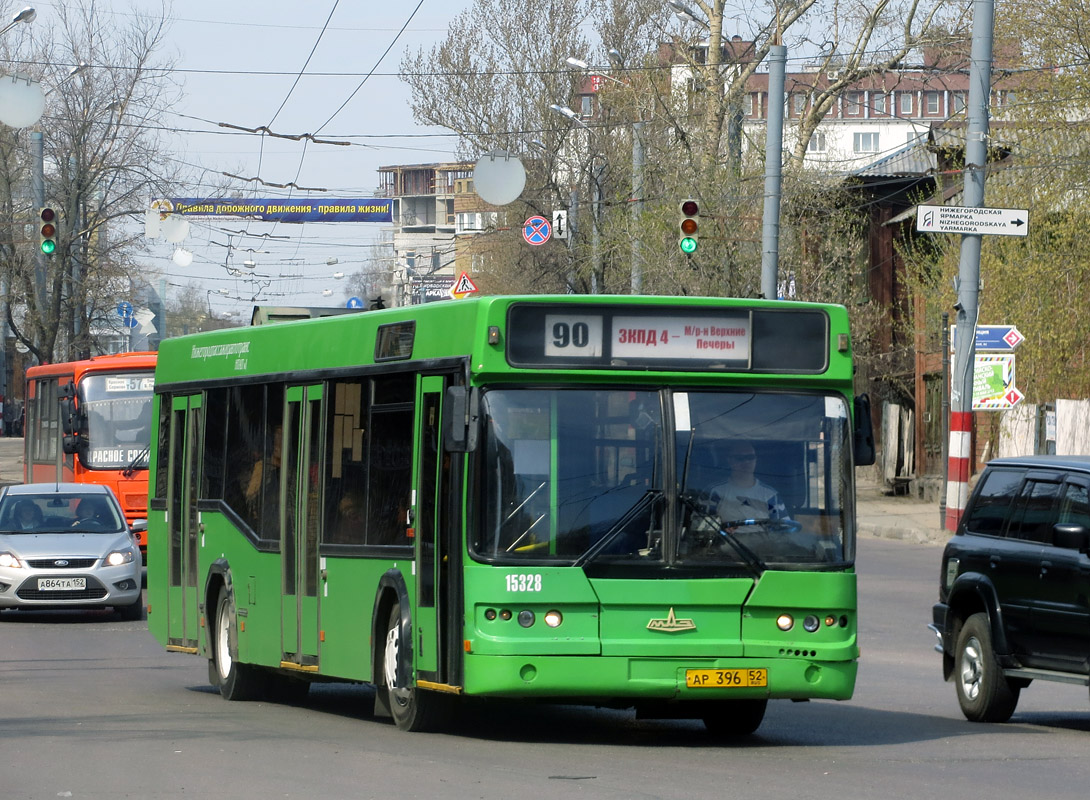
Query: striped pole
(968,283)
(958,466)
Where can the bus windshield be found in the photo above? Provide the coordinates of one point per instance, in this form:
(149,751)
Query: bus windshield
(117,409)
(750,479)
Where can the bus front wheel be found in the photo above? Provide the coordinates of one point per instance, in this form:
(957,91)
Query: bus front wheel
(411,708)
(236,681)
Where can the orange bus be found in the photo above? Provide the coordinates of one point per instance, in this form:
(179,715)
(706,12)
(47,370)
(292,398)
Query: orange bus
(90,422)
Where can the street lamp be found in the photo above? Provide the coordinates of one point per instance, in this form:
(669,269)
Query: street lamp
(685,13)
(567,112)
(636,200)
(26,15)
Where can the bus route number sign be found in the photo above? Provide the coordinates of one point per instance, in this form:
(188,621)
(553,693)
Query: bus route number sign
(641,337)
(122,384)
(572,335)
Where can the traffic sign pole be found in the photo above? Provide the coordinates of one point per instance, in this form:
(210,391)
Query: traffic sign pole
(960,455)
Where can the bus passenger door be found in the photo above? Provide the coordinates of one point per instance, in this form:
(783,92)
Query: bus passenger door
(434,620)
(299,526)
(183,617)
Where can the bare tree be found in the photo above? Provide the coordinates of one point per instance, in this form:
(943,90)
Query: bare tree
(103,157)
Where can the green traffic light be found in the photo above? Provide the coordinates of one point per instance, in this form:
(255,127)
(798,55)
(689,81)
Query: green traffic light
(688,244)
(48,246)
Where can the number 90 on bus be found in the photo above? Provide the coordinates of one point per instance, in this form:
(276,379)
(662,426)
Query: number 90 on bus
(570,335)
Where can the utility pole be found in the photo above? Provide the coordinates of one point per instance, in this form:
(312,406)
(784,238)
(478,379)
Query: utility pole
(637,204)
(770,236)
(960,451)
(37,190)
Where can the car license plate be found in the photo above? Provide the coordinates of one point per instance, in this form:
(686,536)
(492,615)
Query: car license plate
(725,678)
(61,584)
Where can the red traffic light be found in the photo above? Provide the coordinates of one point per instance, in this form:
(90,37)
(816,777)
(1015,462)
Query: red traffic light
(48,215)
(690,208)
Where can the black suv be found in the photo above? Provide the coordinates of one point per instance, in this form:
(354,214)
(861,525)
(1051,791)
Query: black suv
(1014,590)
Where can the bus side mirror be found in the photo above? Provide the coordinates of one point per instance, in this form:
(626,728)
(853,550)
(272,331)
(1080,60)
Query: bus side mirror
(864,432)
(461,419)
(70,419)
(67,396)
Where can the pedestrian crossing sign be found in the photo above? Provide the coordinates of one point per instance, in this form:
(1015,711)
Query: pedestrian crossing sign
(462,287)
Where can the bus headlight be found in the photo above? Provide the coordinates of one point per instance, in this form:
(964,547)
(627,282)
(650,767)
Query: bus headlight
(10,561)
(810,623)
(785,622)
(553,619)
(526,618)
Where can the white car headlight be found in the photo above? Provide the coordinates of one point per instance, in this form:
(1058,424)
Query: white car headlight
(119,557)
(10,561)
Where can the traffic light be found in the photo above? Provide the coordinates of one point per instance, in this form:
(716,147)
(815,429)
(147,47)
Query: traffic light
(48,230)
(689,227)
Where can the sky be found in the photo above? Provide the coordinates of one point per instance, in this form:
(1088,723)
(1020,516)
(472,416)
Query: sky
(251,63)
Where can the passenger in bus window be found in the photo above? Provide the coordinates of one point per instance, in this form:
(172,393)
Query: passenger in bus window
(351,524)
(743,496)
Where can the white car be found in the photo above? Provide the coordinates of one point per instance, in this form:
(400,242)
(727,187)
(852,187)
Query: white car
(67,545)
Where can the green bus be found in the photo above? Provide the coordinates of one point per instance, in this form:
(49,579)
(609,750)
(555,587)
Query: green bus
(635,502)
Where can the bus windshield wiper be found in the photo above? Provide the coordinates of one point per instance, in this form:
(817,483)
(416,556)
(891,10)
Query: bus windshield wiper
(748,556)
(129,470)
(618,528)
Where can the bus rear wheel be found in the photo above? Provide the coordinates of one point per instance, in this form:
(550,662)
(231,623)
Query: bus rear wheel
(411,708)
(236,681)
(735,717)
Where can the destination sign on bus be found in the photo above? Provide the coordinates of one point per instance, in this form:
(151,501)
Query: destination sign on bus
(122,383)
(734,339)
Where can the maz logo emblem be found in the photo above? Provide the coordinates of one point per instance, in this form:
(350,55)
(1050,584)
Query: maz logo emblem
(671,624)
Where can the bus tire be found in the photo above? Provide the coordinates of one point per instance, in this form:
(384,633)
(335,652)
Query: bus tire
(984,693)
(735,717)
(411,708)
(235,681)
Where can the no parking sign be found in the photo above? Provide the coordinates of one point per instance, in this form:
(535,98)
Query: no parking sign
(536,230)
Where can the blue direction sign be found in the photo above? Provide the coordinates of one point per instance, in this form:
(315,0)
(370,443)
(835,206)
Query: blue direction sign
(354,302)
(994,338)
(1003,338)
(124,309)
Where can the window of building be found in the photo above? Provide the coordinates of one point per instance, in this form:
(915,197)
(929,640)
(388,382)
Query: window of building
(755,104)
(586,105)
(853,104)
(816,143)
(905,103)
(960,101)
(878,102)
(865,142)
(798,104)
(932,100)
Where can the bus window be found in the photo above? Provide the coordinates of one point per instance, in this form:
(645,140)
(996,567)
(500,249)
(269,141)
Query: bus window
(565,467)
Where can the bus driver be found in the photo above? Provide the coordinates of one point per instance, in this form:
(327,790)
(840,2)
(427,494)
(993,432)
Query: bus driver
(743,496)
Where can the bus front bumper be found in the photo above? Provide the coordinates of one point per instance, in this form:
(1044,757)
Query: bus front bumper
(661,678)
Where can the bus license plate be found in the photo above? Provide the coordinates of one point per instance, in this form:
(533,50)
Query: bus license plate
(725,678)
(61,584)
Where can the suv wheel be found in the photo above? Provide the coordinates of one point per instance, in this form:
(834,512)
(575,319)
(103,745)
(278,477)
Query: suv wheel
(984,693)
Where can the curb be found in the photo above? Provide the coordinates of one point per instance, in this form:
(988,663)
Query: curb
(908,534)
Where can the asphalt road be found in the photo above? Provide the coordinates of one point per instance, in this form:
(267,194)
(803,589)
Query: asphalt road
(94,708)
